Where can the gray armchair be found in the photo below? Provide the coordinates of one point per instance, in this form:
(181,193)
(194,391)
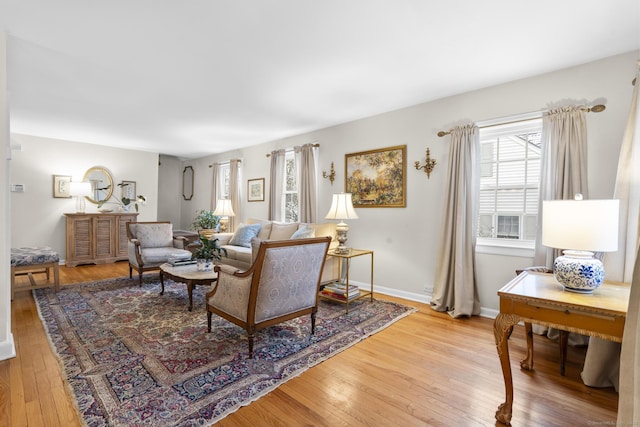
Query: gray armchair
(151,244)
(281,284)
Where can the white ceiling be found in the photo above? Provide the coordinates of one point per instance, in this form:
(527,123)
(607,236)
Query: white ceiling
(195,77)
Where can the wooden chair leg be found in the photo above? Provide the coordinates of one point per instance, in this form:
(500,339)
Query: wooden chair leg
(250,345)
(130,271)
(140,278)
(208,321)
(313,323)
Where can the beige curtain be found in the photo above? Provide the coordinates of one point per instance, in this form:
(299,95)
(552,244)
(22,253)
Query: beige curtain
(215,185)
(563,166)
(305,158)
(235,194)
(629,393)
(563,174)
(455,288)
(603,362)
(628,191)
(276,185)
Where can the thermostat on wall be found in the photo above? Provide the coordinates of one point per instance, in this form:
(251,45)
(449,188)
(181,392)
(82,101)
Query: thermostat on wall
(17,188)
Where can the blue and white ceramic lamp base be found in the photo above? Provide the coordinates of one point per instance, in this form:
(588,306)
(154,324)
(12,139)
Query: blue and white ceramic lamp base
(579,271)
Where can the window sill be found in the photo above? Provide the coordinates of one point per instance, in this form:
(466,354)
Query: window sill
(519,249)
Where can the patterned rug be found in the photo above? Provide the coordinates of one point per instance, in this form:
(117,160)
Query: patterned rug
(134,357)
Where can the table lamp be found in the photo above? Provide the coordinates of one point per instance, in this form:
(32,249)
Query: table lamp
(224,211)
(342,208)
(80,190)
(580,227)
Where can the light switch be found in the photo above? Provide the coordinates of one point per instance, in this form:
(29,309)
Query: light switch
(17,188)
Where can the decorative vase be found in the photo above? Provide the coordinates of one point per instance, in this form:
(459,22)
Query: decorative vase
(125,208)
(204,264)
(208,233)
(578,271)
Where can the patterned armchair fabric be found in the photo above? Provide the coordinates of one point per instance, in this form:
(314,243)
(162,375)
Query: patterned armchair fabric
(281,284)
(151,244)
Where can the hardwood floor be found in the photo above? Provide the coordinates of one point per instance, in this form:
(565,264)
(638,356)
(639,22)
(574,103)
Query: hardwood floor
(425,370)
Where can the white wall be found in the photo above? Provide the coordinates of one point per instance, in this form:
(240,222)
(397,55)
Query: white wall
(37,217)
(169,189)
(405,240)
(7,348)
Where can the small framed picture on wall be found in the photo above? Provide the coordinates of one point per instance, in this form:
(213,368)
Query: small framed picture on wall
(61,184)
(255,190)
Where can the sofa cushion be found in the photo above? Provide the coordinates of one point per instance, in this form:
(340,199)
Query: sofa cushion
(265,230)
(154,235)
(304,232)
(282,231)
(244,234)
(238,253)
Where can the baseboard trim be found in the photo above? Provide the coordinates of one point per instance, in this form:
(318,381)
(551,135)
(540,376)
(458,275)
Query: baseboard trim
(412,296)
(7,348)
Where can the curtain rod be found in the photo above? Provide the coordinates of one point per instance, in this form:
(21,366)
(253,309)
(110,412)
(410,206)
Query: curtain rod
(239,160)
(596,109)
(314,145)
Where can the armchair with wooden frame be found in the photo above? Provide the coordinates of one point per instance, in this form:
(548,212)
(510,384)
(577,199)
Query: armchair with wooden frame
(151,244)
(281,284)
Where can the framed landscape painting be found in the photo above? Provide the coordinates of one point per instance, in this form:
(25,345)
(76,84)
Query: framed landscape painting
(377,178)
(255,190)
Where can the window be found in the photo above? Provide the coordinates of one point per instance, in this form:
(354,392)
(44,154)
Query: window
(509,183)
(290,195)
(224,171)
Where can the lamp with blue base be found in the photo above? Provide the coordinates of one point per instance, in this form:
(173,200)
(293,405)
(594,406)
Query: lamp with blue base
(580,227)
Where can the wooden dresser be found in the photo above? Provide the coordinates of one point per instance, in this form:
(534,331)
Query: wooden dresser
(97,238)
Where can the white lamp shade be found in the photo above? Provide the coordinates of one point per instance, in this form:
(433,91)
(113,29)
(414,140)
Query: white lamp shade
(80,189)
(223,208)
(341,207)
(582,225)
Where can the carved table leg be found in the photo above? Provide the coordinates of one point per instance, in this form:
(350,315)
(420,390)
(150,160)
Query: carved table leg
(162,282)
(501,327)
(527,362)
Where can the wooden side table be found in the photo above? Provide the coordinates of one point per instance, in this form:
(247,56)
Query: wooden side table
(347,258)
(189,275)
(539,298)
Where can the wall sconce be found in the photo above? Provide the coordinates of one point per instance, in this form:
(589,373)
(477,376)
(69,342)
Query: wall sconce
(331,176)
(429,164)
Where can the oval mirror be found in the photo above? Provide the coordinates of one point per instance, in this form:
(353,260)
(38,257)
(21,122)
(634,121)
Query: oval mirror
(101,184)
(187,183)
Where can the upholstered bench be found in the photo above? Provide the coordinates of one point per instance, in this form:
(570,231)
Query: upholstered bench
(30,261)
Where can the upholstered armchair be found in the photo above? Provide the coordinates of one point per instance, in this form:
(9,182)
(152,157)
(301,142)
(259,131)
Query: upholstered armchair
(281,284)
(151,244)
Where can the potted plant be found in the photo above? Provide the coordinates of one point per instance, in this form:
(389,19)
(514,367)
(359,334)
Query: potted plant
(207,222)
(208,251)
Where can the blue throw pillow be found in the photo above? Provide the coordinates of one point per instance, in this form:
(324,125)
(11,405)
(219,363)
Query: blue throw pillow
(304,233)
(244,234)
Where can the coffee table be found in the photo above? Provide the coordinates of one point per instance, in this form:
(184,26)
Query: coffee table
(189,275)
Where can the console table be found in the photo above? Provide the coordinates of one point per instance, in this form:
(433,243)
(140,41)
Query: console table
(97,238)
(538,298)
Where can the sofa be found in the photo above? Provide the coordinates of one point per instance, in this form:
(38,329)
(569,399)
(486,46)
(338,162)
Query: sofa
(242,245)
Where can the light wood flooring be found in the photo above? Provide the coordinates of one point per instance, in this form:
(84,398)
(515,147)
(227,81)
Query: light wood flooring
(425,370)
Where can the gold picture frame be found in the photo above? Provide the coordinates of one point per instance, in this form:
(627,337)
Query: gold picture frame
(377,178)
(255,190)
(61,186)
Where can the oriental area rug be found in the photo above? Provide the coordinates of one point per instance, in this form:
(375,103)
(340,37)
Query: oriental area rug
(133,357)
